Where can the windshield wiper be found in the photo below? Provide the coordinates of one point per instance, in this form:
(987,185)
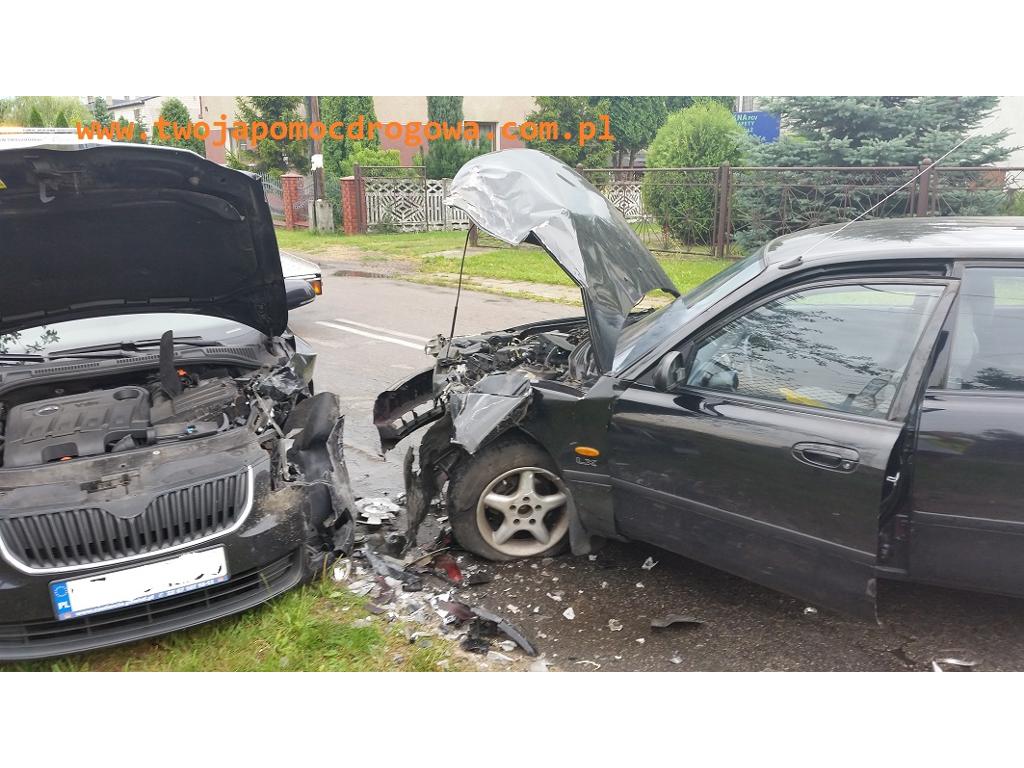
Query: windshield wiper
(134,346)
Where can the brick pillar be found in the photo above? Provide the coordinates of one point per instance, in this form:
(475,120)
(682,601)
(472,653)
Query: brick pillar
(351,206)
(291,191)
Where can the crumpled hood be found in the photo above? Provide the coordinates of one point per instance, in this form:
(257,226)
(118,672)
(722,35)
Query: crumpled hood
(89,230)
(522,195)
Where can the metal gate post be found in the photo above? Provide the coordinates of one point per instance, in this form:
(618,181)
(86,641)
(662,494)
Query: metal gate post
(719,245)
(357,172)
(923,185)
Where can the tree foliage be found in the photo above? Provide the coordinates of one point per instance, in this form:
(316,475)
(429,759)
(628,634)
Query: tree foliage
(174,112)
(270,155)
(634,121)
(100,111)
(61,121)
(883,130)
(568,112)
(47,108)
(676,103)
(141,134)
(702,135)
(859,131)
(35,120)
(446,156)
(345,109)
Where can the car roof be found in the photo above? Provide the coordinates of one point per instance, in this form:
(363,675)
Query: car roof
(925,237)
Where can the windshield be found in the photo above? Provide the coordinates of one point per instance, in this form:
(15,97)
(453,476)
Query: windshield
(645,334)
(51,339)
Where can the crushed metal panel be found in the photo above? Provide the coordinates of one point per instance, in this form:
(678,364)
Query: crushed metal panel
(495,402)
(527,196)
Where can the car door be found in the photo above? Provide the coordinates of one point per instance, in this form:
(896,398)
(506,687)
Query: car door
(967,520)
(769,457)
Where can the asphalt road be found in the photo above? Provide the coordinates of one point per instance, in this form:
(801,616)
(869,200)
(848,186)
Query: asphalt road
(369,333)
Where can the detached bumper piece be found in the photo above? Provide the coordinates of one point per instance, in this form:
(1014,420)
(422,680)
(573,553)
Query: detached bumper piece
(42,639)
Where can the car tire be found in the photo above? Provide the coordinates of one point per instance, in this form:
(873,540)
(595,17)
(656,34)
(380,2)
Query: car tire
(531,518)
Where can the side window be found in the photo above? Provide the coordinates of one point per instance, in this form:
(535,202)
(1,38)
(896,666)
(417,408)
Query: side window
(843,348)
(988,340)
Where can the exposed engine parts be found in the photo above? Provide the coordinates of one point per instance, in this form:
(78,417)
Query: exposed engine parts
(112,419)
(468,359)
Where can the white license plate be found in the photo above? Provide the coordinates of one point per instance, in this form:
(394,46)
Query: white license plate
(141,584)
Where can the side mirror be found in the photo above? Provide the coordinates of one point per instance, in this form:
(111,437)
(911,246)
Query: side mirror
(670,372)
(297,292)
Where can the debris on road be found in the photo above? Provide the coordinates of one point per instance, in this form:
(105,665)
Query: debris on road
(594,664)
(569,613)
(810,611)
(956,665)
(676,659)
(649,564)
(675,619)
(342,569)
(614,625)
(376,511)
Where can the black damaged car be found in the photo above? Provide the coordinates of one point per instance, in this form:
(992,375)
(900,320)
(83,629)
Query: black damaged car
(843,405)
(163,458)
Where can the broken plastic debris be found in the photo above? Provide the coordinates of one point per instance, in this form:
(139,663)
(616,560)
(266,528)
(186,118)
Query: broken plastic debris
(376,511)
(446,564)
(614,625)
(675,619)
(641,640)
(507,645)
(512,608)
(676,659)
(540,665)
(649,564)
(507,628)
(557,596)
(342,569)
(956,665)
(639,585)
(594,664)
(569,613)
(810,611)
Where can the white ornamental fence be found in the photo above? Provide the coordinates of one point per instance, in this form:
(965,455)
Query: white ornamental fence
(410,205)
(417,204)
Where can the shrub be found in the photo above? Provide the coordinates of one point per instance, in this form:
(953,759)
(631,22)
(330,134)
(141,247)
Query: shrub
(705,134)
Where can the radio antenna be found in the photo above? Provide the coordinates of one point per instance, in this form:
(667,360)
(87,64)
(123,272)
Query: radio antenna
(861,215)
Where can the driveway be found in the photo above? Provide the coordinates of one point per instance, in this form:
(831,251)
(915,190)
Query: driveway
(369,333)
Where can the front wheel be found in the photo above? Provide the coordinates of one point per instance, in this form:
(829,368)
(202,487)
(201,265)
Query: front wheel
(508,502)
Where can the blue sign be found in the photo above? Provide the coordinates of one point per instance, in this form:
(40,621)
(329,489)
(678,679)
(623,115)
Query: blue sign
(763,126)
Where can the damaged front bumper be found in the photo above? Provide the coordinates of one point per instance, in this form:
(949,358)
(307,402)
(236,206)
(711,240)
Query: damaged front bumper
(280,513)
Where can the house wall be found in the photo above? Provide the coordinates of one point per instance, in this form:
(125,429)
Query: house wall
(149,110)
(1009,115)
(481,109)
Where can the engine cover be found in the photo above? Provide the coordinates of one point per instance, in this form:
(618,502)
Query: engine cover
(74,425)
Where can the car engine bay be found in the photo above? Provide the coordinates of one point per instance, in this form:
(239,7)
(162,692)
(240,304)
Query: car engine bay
(545,355)
(63,421)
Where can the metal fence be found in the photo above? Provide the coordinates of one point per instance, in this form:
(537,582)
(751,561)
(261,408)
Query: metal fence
(723,211)
(726,211)
(275,198)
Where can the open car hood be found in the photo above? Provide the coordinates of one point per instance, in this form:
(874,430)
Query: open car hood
(521,195)
(89,230)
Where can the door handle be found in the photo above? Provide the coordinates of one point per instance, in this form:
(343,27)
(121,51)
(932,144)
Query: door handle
(837,458)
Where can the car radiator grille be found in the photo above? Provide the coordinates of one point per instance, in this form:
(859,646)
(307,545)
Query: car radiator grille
(92,535)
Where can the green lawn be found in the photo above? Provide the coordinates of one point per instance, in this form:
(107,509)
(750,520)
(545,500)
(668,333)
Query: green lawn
(402,245)
(317,628)
(535,266)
